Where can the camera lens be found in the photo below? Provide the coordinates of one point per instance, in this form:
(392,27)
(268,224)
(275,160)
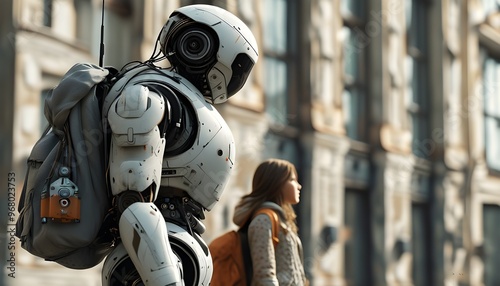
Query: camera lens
(64,202)
(196,46)
(64,192)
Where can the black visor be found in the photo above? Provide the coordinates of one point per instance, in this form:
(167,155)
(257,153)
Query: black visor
(241,67)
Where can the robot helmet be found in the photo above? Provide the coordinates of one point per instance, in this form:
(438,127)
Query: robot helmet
(211,48)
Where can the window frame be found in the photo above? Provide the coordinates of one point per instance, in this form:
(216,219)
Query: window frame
(355,21)
(489,46)
(493,167)
(288,126)
(418,89)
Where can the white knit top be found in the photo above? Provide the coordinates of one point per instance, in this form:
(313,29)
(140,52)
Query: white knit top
(280,266)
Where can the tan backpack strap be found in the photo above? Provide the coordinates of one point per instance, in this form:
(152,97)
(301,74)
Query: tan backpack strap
(274,221)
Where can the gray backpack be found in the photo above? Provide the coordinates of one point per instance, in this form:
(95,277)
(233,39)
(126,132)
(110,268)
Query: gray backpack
(65,197)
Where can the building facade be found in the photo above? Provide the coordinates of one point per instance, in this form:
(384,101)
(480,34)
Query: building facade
(389,109)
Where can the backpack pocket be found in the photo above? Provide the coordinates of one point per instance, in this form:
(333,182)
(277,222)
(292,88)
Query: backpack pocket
(74,245)
(38,168)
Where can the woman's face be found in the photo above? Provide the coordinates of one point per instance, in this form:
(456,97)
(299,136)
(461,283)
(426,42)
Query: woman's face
(291,191)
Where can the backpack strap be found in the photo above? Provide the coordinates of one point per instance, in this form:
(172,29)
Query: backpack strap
(247,258)
(275,228)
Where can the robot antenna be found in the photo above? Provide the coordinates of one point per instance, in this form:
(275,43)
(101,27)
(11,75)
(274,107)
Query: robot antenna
(101,52)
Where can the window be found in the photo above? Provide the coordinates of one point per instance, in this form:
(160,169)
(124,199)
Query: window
(276,90)
(356,41)
(276,60)
(421,237)
(491,216)
(421,224)
(491,95)
(417,75)
(47,13)
(357,261)
(490,6)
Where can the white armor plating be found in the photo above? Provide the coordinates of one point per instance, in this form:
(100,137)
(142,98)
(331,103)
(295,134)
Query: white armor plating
(198,271)
(193,247)
(145,237)
(137,146)
(203,169)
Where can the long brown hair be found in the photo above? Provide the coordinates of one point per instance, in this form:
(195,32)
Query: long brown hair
(268,181)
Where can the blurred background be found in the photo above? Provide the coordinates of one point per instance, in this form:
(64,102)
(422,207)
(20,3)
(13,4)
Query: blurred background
(389,109)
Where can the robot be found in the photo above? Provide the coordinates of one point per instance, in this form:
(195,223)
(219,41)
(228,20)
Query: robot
(171,153)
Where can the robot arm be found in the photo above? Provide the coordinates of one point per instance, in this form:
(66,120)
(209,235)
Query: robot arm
(137,144)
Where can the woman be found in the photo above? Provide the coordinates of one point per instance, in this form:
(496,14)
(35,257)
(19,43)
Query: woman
(274,186)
